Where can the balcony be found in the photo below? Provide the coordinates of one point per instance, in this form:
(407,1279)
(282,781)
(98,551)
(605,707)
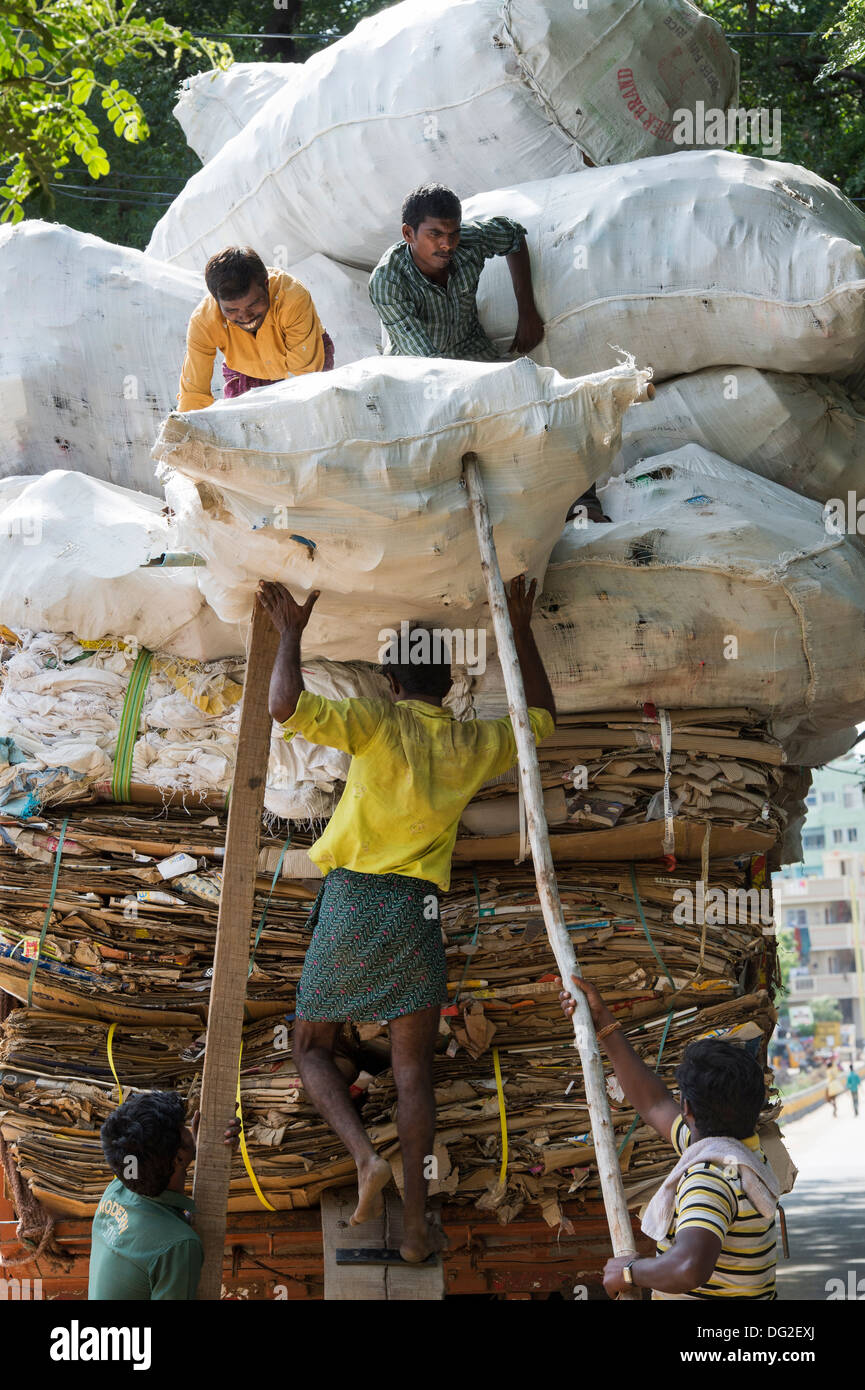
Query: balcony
(805,987)
(831,936)
(798,892)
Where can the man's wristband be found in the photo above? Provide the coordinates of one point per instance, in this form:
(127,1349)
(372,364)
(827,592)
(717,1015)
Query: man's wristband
(610,1028)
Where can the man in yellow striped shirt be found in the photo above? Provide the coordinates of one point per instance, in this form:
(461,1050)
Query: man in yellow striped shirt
(262,320)
(719,1210)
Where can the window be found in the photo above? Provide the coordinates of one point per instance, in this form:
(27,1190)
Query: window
(827,798)
(839,911)
(811,799)
(797,917)
(843,867)
(852,834)
(837,837)
(852,798)
(814,839)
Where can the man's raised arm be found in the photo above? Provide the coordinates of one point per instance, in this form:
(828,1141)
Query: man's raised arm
(289,618)
(539,693)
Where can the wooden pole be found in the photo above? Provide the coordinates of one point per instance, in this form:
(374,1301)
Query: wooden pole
(548,889)
(231,960)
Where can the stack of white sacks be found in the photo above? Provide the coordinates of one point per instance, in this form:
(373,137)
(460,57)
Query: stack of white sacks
(736,281)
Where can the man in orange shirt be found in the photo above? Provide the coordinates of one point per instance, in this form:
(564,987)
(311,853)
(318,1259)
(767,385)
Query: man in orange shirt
(264,323)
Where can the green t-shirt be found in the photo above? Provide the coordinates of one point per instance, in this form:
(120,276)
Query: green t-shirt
(143,1247)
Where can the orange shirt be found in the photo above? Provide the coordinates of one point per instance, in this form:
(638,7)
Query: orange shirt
(288,343)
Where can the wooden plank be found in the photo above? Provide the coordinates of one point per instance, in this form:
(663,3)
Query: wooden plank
(637,841)
(350,1283)
(231,960)
(409,1283)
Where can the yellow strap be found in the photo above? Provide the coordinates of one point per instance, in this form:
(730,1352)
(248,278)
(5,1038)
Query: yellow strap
(502,1115)
(111,1060)
(243,1150)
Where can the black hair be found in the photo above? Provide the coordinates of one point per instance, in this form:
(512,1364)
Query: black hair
(149,1129)
(724,1086)
(229,274)
(431,200)
(426,668)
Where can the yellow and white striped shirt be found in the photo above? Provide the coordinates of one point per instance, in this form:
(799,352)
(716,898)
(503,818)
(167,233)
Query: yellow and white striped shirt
(710,1198)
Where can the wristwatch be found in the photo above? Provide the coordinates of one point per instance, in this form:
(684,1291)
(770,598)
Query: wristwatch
(626,1271)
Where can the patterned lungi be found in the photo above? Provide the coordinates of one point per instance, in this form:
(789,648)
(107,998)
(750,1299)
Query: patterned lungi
(374,953)
(238,383)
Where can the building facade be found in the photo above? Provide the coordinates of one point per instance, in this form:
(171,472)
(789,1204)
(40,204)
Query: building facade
(822,899)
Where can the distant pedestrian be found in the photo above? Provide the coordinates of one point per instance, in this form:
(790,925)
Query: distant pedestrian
(853,1080)
(833,1087)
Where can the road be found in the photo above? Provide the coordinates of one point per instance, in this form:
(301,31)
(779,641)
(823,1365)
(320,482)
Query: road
(826,1210)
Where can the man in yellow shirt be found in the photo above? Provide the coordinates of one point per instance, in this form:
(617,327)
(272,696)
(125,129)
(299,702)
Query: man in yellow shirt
(264,323)
(376,951)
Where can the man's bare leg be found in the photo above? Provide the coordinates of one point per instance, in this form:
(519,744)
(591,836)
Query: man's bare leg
(328,1090)
(412,1045)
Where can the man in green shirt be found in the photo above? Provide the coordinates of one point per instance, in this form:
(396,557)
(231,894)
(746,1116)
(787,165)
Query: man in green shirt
(142,1245)
(424,287)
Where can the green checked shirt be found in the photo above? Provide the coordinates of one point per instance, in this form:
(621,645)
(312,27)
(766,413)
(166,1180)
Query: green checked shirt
(143,1248)
(424,319)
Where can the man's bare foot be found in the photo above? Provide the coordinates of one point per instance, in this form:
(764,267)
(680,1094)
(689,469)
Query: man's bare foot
(371,1179)
(421,1239)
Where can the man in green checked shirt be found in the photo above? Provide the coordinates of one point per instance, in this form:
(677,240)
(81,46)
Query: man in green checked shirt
(424,287)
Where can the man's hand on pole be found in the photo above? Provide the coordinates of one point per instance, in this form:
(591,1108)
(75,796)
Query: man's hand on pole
(601,1015)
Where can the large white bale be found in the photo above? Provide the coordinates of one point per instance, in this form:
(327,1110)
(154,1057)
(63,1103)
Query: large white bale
(95,337)
(350,482)
(806,433)
(696,260)
(213,106)
(472,93)
(712,587)
(71,551)
(341,297)
(93,341)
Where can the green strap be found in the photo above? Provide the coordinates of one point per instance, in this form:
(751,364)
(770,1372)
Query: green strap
(482,912)
(57,854)
(646,928)
(260,928)
(657,1064)
(121,777)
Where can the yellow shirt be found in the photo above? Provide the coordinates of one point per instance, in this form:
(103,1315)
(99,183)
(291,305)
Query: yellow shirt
(288,343)
(413,771)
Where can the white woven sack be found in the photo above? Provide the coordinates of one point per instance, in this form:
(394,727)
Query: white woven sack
(696,260)
(213,106)
(93,342)
(71,552)
(350,482)
(471,93)
(806,433)
(712,587)
(341,297)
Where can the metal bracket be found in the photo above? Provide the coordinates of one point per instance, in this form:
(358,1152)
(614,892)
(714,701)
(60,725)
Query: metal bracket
(354,1255)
